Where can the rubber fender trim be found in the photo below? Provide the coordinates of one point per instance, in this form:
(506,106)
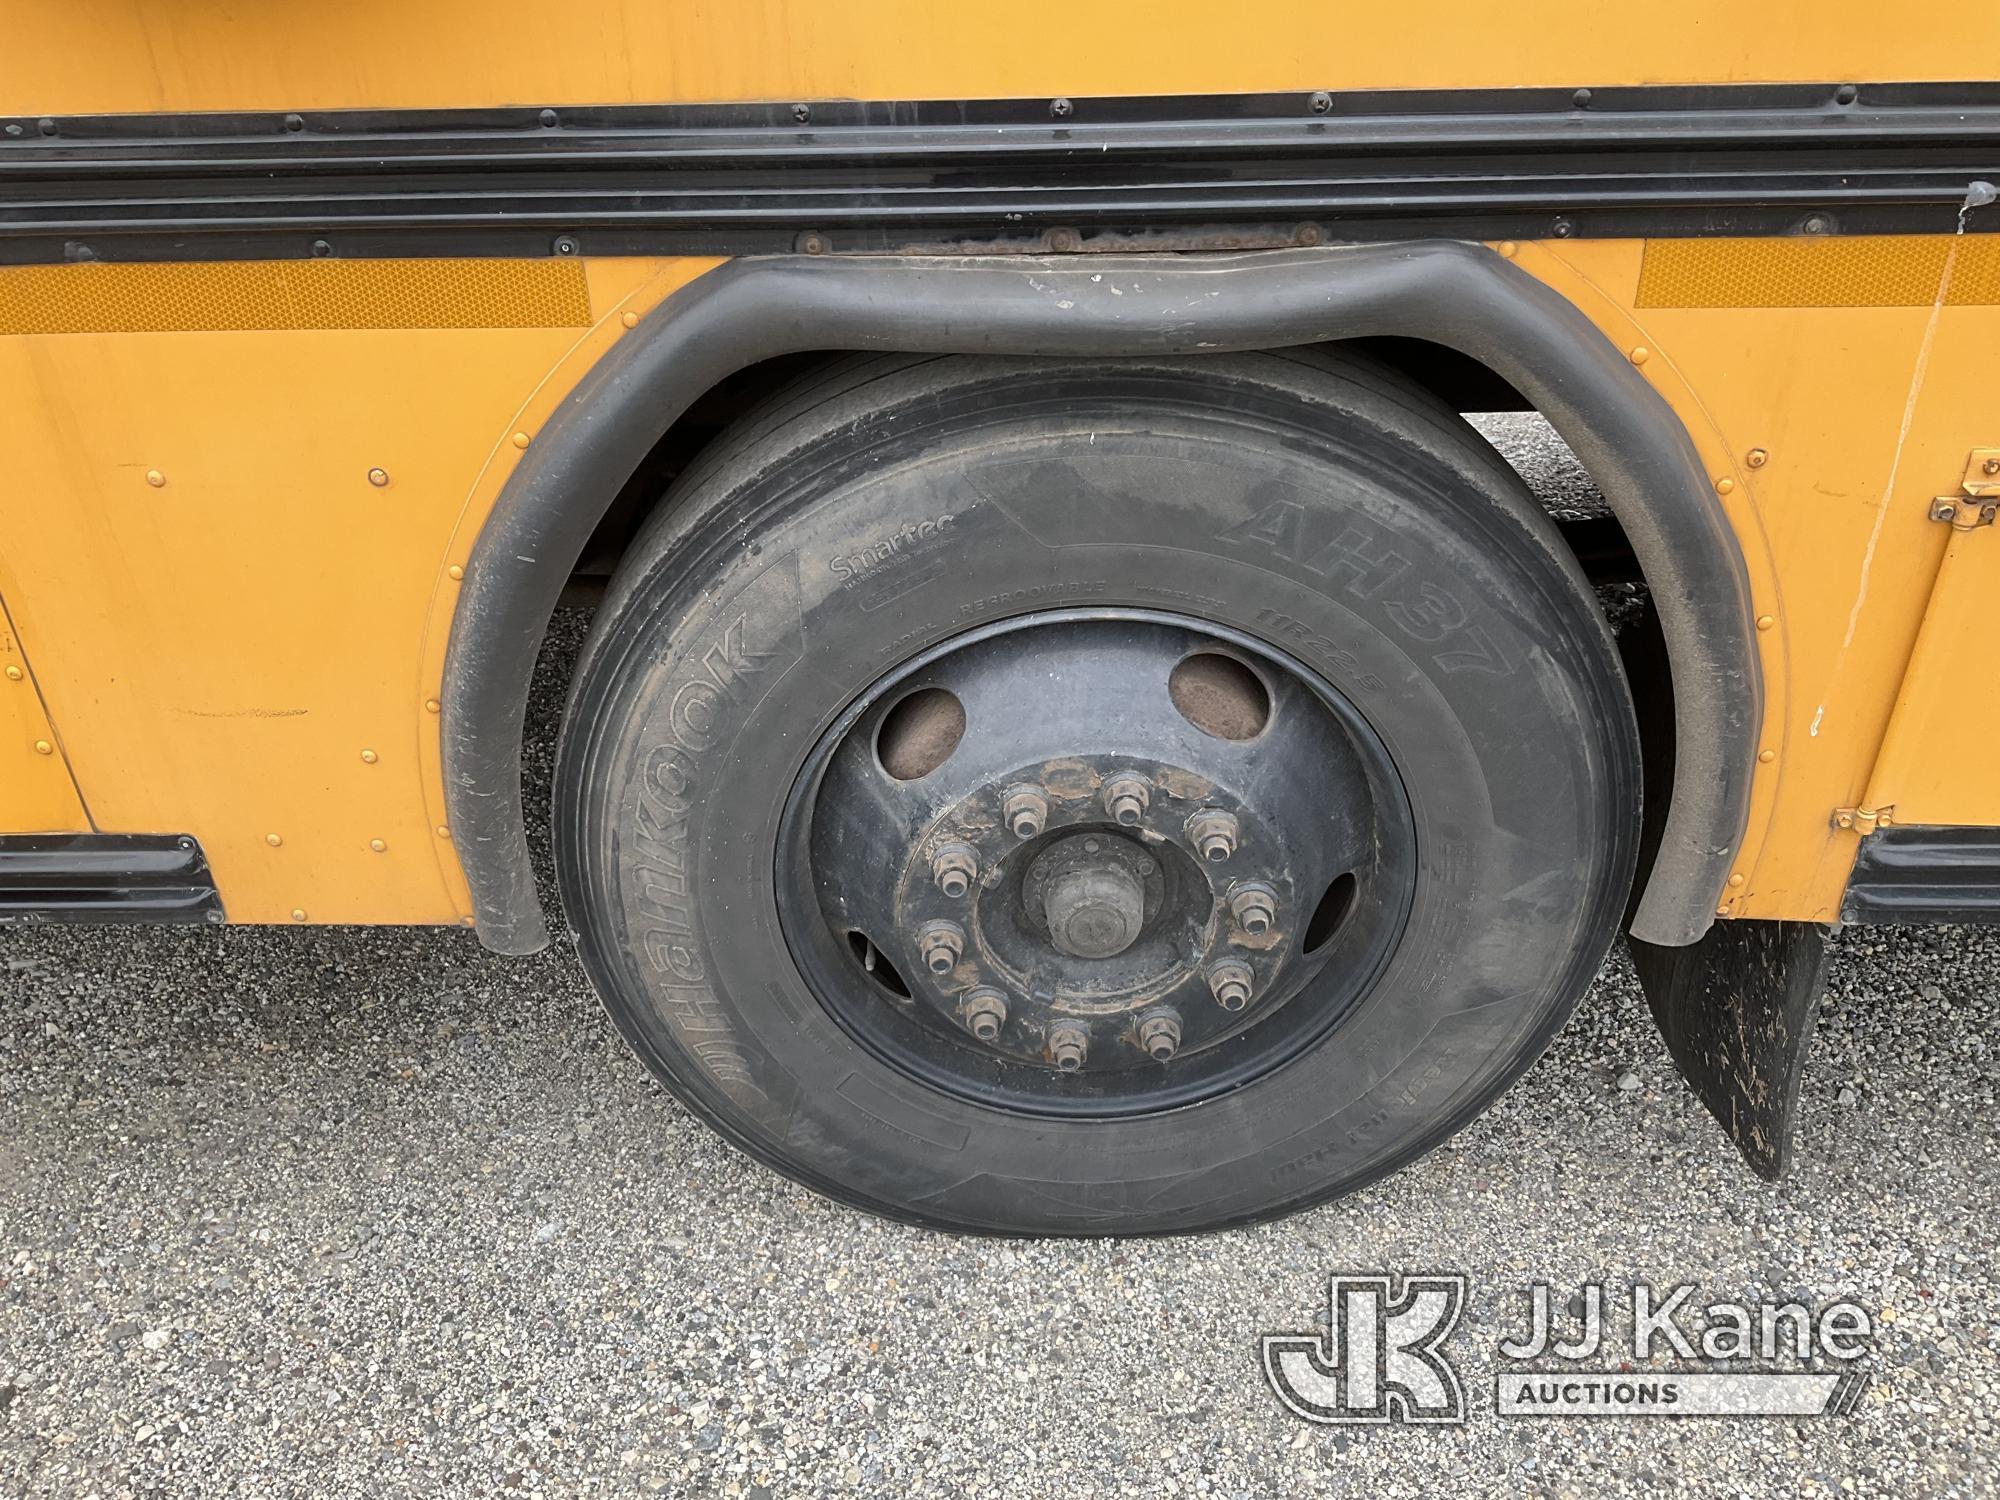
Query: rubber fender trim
(1460,295)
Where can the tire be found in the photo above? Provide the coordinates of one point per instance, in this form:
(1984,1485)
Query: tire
(1310,502)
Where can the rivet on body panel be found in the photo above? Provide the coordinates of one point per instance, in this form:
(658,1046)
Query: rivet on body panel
(1725,485)
(369,757)
(43,747)
(521,440)
(298,914)
(378,477)
(156,479)
(1767,756)
(630,320)
(379,846)
(431,705)
(454,572)
(274,840)
(1641,354)
(1765,622)
(13,674)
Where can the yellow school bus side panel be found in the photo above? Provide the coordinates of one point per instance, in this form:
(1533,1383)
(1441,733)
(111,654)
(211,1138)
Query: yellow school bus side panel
(1830,405)
(36,792)
(140,55)
(232,547)
(238,543)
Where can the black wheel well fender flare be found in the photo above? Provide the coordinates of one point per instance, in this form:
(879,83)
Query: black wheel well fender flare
(1458,295)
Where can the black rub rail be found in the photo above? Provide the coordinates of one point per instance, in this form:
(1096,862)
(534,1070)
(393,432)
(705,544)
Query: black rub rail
(1200,172)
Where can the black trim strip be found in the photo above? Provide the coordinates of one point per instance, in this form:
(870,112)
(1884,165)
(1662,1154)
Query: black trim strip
(105,877)
(1205,172)
(1925,874)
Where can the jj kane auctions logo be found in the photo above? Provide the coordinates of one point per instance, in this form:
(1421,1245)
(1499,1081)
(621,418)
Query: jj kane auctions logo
(1383,1357)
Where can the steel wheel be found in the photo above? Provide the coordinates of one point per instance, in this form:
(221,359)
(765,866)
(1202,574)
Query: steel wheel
(1095,864)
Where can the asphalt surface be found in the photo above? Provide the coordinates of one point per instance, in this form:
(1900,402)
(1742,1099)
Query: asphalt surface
(371,1212)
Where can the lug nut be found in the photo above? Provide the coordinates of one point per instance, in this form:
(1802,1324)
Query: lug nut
(953,867)
(1069,1044)
(1125,798)
(1160,1032)
(1255,907)
(985,1012)
(1214,834)
(940,943)
(1229,979)
(1026,811)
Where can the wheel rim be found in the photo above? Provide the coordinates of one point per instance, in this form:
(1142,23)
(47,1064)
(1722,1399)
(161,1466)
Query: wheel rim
(1095,863)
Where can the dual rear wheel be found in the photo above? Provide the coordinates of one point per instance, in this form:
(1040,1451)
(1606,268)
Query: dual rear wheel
(1095,796)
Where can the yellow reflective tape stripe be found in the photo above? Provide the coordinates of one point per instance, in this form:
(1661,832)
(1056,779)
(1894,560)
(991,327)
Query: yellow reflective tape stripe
(214,296)
(1877,270)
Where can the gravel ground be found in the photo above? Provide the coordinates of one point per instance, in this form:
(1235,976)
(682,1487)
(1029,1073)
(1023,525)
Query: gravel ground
(370,1212)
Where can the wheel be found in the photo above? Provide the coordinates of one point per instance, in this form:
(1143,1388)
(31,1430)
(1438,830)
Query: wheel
(1117,796)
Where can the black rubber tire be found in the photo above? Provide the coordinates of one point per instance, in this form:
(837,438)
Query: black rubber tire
(1312,499)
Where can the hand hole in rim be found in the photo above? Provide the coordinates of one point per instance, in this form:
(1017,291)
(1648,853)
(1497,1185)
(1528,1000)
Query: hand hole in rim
(875,964)
(1220,696)
(1331,913)
(919,733)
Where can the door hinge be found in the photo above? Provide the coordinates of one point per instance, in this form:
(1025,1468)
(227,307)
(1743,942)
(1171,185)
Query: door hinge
(1979,493)
(1863,820)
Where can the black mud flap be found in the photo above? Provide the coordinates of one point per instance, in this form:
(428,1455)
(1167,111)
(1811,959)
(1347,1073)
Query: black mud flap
(1737,1011)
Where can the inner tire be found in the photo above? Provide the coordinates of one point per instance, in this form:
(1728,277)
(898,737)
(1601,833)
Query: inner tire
(1311,506)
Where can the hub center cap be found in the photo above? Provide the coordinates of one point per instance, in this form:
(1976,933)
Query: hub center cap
(1093,903)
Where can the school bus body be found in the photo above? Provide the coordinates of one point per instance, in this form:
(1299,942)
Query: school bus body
(249,460)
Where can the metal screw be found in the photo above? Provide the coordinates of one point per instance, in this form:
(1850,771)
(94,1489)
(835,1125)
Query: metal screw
(940,943)
(1229,980)
(1061,108)
(295,122)
(1069,1044)
(1322,102)
(1065,241)
(1991,466)
(1756,458)
(48,127)
(550,119)
(321,249)
(1563,228)
(1214,834)
(812,244)
(1026,811)
(1944,510)
(1126,796)
(1816,224)
(565,245)
(953,867)
(1581,99)
(985,1012)
(1255,907)
(802,113)
(1160,1032)
(1847,93)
